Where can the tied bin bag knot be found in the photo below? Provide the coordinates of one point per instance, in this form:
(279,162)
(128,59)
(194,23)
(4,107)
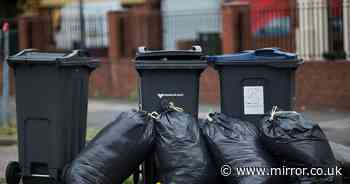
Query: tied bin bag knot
(297,142)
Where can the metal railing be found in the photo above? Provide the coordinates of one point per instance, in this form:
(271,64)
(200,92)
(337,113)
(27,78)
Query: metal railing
(315,29)
(181,29)
(67,35)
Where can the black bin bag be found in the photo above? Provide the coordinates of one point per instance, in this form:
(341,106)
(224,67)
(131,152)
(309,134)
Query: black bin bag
(116,152)
(298,143)
(235,145)
(181,154)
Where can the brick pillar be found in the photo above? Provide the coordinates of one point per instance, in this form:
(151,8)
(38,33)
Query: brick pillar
(115,35)
(149,20)
(24,33)
(35,32)
(115,49)
(41,32)
(236,33)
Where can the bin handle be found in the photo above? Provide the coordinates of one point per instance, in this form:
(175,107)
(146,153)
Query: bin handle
(197,48)
(75,52)
(270,50)
(142,49)
(24,51)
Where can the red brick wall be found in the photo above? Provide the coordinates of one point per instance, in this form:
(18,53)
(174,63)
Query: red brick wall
(209,86)
(114,79)
(323,85)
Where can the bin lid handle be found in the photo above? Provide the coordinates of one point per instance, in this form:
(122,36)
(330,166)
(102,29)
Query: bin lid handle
(197,48)
(142,49)
(75,52)
(24,51)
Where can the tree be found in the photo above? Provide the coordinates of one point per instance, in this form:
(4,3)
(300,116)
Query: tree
(29,6)
(8,8)
(11,8)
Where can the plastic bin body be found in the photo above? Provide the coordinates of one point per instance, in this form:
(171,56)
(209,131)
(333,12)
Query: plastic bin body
(170,75)
(51,103)
(252,82)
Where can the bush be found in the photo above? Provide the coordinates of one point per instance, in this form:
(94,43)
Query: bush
(334,55)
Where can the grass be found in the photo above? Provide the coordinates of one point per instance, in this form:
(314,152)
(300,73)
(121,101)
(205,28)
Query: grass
(91,133)
(133,96)
(129,181)
(9,130)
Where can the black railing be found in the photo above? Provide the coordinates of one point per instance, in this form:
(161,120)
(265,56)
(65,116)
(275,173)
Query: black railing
(181,29)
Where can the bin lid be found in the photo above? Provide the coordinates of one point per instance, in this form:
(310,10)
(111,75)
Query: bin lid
(273,57)
(65,58)
(170,59)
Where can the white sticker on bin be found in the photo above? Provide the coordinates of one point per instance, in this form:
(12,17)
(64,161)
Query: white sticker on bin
(253,100)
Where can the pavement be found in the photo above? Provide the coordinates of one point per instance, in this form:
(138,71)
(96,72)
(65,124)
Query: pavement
(335,124)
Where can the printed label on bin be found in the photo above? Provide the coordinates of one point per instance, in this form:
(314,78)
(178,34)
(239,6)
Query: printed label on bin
(253,100)
(161,95)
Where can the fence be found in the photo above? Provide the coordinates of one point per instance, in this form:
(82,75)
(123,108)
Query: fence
(42,33)
(315,29)
(312,28)
(178,30)
(67,34)
(320,33)
(181,29)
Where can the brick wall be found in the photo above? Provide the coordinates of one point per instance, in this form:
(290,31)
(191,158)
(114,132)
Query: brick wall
(114,79)
(323,84)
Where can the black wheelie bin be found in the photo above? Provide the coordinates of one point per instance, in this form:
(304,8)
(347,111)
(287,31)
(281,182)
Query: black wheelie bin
(253,81)
(51,102)
(168,76)
(172,75)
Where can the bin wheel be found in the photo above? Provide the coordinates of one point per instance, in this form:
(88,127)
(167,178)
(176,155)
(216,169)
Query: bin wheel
(13,171)
(64,173)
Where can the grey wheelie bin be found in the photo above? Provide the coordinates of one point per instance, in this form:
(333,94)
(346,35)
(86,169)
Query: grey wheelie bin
(51,101)
(168,76)
(253,81)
